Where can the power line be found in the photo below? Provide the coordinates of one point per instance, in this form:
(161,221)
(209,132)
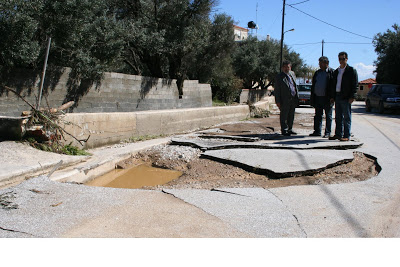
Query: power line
(307,43)
(333,43)
(346,43)
(300,3)
(328,23)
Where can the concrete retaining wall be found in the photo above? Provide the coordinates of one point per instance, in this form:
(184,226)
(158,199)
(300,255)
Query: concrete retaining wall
(253,95)
(111,128)
(116,93)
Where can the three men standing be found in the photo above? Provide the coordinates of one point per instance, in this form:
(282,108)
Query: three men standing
(328,87)
(286,97)
(322,97)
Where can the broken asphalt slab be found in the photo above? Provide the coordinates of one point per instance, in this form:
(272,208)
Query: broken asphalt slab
(278,142)
(281,163)
(253,211)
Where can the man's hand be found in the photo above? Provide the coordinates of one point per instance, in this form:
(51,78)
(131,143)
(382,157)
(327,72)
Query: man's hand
(351,100)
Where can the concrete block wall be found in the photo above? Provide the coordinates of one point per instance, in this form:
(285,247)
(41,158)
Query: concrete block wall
(111,128)
(116,93)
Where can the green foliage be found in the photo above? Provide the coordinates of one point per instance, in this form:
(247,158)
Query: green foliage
(159,38)
(73,150)
(19,46)
(85,35)
(387,46)
(218,103)
(166,37)
(56,147)
(257,62)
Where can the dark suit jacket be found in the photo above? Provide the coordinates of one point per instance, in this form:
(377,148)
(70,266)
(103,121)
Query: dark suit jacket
(329,90)
(349,82)
(282,90)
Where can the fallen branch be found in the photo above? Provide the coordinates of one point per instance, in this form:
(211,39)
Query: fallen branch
(43,116)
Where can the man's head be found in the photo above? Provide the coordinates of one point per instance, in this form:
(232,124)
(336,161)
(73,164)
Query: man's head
(323,63)
(343,59)
(286,66)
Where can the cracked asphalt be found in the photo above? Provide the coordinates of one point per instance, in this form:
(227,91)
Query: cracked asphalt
(40,207)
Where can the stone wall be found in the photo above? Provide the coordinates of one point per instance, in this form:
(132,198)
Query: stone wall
(115,93)
(111,128)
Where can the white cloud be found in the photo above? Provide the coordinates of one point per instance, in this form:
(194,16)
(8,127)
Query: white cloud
(364,71)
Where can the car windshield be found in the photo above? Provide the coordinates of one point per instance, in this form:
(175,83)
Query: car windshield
(304,87)
(390,90)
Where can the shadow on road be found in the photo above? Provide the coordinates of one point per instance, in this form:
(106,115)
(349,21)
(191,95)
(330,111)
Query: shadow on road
(345,214)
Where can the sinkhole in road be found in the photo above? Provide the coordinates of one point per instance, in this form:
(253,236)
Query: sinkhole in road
(135,177)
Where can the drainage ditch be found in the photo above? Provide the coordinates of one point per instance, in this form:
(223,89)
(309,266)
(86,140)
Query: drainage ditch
(178,167)
(191,170)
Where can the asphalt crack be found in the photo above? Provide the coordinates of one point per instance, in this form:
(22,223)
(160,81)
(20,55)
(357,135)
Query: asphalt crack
(14,231)
(294,216)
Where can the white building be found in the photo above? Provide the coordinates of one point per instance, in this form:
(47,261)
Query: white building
(240,33)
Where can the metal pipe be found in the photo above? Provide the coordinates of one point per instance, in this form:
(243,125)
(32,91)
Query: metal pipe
(44,73)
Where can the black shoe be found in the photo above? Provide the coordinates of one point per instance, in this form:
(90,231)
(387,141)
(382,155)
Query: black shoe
(292,132)
(334,137)
(315,134)
(286,133)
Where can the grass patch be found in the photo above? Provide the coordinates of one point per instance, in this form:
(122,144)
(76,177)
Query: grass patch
(57,148)
(218,103)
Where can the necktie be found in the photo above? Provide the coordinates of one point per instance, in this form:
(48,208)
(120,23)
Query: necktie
(291,85)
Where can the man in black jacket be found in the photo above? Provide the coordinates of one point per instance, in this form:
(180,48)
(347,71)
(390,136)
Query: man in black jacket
(322,97)
(345,82)
(286,97)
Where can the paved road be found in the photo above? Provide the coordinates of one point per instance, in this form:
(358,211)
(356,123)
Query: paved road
(43,208)
(370,208)
(381,135)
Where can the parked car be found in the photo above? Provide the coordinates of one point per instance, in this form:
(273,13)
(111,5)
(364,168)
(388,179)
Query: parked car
(304,94)
(382,97)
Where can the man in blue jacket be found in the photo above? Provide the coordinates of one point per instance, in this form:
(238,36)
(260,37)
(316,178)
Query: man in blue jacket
(345,82)
(322,97)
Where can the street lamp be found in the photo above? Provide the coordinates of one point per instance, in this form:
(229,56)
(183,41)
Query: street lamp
(283,34)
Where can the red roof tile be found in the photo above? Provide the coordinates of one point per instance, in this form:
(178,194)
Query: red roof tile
(235,26)
(368,81)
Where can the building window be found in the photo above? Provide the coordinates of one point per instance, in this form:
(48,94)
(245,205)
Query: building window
(361,88)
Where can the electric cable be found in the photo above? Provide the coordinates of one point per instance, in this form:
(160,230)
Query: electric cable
(328,23)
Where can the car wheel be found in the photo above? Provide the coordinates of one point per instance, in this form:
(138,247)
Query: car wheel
(381,108)
(368,106)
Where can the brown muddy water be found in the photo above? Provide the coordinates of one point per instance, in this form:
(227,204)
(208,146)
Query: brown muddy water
(135,177)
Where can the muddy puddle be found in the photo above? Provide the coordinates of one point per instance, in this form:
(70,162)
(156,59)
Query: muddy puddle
(136,177)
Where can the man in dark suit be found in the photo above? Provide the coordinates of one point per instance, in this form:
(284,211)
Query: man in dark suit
(286,97)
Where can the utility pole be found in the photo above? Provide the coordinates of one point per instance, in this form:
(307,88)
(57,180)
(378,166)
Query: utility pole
(256,19)
(323,47)
(283,29)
